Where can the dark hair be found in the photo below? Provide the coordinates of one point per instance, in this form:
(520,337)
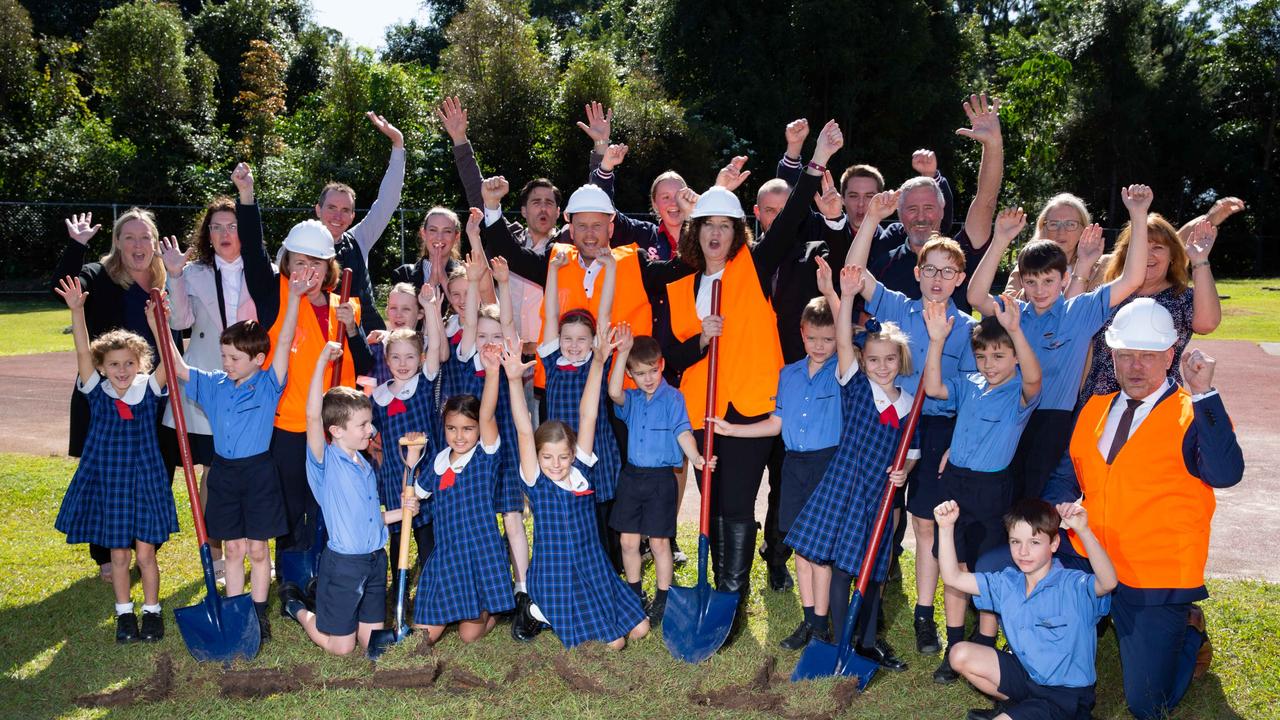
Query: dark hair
(247,336)
(201,247)
(340,404)
(523,198)
(989,333)
(817,313)
(866,171)
(1041,256)
(554,431)
(340,187)
(644,349)
(465,405)
(579,316)
(690,249)
(1040,515)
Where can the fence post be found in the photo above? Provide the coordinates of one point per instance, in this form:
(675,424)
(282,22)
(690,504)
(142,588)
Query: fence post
(400,212)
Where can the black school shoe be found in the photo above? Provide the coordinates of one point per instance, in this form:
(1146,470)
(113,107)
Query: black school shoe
(126,629)
(883,655)
(927,636)
(655,609)
(152,627)
(798,637)
(524,626)
(264,626)
(292,601)
(986,714)
(944,675)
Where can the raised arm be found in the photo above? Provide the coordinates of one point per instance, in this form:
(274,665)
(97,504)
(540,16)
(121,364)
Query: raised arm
(432,300)
(1088,252)
(791,163)
(589,404)
(491,359)
(782,234)
(368,230)
(498,241)
(1009,315)
(1212,453)
(551,296)
(506,311)
(158,373)
(454,120)
(299,284)
(470,318)
(1222,209)
(181,315)
(513,370)
(1137,199)
(851,279)
(71,291)
(1009,224)
(605,308)
(624,339)
(881,206)
(315,399)
(1206,312)
(939,325)
(259,276)
(80,229)
(946,515)
(1076,518)
(984,127)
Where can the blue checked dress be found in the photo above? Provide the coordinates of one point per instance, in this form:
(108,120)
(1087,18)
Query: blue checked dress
(381,372)
(466,377)
(468,573)
(564,392)
(120,492)
(570,579)
(835,525)
(419,415)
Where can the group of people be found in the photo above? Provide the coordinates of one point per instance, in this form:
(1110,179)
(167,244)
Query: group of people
(564,369)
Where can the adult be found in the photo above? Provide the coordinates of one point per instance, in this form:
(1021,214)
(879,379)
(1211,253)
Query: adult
(1064,219)
(1148,458)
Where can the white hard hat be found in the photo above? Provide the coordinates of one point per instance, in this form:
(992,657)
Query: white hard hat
(589,198)
(309,237)
(718,201)
(1143,324)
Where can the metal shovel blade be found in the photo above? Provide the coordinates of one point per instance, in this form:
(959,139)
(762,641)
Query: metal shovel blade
(697,621)
(822,659)
(381,640)
(218,628)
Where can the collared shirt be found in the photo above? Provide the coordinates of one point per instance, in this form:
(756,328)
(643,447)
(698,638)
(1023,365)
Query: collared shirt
(809,406)
(232,280)
(989,420)
(241,415)
(654,426)
(957,352)
(896,269)
(1140,413)
(347,491)
(137,389)
(1052,630)
(1062,337)
(901,406)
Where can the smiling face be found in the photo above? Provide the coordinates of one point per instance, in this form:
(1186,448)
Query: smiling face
(403,360)
(354,435)
(137,246)
(1032,551)
(881,361)
(819,341)
(540,211)
(715,237)
(403,311)
(120,367)
(938,288)
(238,364)
(1141,372)
(337,211)
(591,232)
(664,202)
(857,196)
(461,433)
(1063,225)
(555,459)
(768,206)
(996,361)
(439,234)
(921,213)
(1042,290)
(647,376)
(1158,258)
(458,294)
(575,340)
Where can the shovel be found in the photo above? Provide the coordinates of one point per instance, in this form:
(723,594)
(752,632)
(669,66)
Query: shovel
(381,640)
(823,659)
(340,335)
(698,619)
(217,628)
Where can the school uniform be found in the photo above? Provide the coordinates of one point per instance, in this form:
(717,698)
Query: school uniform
(245,498)
(566,383)
(647,488)
(809,407)
(466,377)
(988,426)
(352,579)
(468,573)
(120,491)
(395,414)
(1049,675)
(571,581)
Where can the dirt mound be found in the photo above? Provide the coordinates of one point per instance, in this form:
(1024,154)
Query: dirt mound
(158,686)
(575,679)
(754,695)
(260,683)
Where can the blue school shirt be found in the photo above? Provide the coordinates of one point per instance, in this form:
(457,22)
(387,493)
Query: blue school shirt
(1062,338)
(1052,631)
(989,420)
(957,352)
(654,426)
(809,406)
(241,416)
(347,492)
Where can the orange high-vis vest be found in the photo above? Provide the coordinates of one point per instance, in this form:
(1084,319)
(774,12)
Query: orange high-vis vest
(750,353)
(630,302)
(308,341)
(1149,512)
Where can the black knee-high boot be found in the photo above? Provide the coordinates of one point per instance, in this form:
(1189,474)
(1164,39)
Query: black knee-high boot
(739,551)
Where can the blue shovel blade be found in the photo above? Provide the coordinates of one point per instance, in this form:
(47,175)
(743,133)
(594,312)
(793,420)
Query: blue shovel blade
(822,659)
(220,629)
(697,621)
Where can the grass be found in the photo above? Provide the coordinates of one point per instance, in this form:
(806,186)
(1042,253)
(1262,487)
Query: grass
(33,326)
(1251,312)
(57,645)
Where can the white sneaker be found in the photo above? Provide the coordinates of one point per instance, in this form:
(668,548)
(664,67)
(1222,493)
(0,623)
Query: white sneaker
(677,555)
(220,572)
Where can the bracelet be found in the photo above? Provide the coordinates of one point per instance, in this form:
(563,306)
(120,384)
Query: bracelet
(815,166)
(1202,263)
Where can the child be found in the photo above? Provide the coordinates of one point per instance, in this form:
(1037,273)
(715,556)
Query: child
(808,417)
(832,529)
(992,407)
(646,503)
(565,352)
(572,584)
(466,579)
(351,586)
(119,497)
(402,311)
(1060,330)
(246,505)
(1049,613)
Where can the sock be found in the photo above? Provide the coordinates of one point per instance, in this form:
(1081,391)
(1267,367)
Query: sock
(520,588)
(151,608)
(659,596)
(987,640)
(819,624)
(954,635)
(808,615)
(924,612)
(124,608)
(637,588)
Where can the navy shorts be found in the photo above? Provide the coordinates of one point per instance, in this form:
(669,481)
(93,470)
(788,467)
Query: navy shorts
(645,502)
(1029,700)
(245,499)
(801,473)
(351,589)
(984,498)
(924,484)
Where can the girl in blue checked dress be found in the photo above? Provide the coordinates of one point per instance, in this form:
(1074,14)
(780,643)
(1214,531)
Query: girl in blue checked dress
(466,579)
(833,529)
(120,497)
(566,356)
(571,582)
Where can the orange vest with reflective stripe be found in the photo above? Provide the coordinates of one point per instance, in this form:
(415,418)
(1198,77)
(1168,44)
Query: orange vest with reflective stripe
(308,341)
(750,353)
(1149,512)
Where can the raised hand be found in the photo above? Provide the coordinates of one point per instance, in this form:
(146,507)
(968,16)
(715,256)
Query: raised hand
(606,259)
(936,320)
(386,128)
(474,217)
(511,361)
(175,258)
(431,299)
(829,141)
(1197,371)
(79,228)
(560,259)
(946,513)
(493,189)
(613,157)
(796,132)
(1073,515)
(242,178)
(686,198)
(1009,224)
(924,162)
(1137,199)
(984,119)
(71,292)
(599,123)
(621,337)
(332,351)
(825,286)
(731,176)
(882,205)
(491,357)
(454,119)
(828,200)
(1203,236)
(1090,247)
(851,278)
(476,266)
(1224,208)
(300,283)
(1008,313)
(501,273)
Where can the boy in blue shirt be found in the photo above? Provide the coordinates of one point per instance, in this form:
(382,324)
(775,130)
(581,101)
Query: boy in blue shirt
(661,439)
(1049,614)
(992,407)
(1059,323)
(351,585)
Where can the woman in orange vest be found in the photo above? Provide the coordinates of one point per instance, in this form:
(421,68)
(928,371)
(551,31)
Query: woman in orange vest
(712,242)
(308,247)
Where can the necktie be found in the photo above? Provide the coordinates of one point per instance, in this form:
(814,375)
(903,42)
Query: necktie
(1122,430)
(123,409)
(889,416)
(446,480)
(480,373)
(567,367)
(395,407)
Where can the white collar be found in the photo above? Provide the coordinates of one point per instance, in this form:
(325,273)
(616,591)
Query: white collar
(575,482)
(452,325)
(383,394)
(441,463)
(1150,399)
(902,405)
(137,389)
(563,361)
(237,264)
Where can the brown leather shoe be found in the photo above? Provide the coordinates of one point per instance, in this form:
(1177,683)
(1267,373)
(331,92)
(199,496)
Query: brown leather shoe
(1204,656)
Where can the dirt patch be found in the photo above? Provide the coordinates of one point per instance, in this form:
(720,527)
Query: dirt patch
(575,679)
(399,679)
(260,683)
(753,695)
(158,686)
(845,693)
(463,680)
(531,663)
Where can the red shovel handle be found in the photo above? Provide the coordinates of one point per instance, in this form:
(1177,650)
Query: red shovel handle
(709,432)
(344,295)
(179,417)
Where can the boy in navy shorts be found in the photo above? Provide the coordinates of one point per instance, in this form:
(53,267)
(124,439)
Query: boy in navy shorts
(1049,614)
(992,407)
(661,440)
(351,586)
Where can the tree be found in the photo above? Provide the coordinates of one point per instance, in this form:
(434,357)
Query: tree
(17,61)
(261,101)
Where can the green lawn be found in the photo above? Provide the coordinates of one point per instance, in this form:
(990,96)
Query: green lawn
(1251,311)
(33,326)
(56,630)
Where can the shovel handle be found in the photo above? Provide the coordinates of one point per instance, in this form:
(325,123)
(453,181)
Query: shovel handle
(344,294)
(179,417)
(709,433)
(406,520)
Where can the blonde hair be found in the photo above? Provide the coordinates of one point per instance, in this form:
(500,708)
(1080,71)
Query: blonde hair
(404,288)
(408,336)
(121,340)
(113,262)
(1159,231)
(452,216)
(891,333)
(1067,199)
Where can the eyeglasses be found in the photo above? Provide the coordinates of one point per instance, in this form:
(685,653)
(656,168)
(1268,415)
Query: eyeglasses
(947,273)
(230,228)
(1068,225)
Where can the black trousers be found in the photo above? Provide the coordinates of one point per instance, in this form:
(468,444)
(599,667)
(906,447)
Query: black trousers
(776,552)
(289,451)
(740,464)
